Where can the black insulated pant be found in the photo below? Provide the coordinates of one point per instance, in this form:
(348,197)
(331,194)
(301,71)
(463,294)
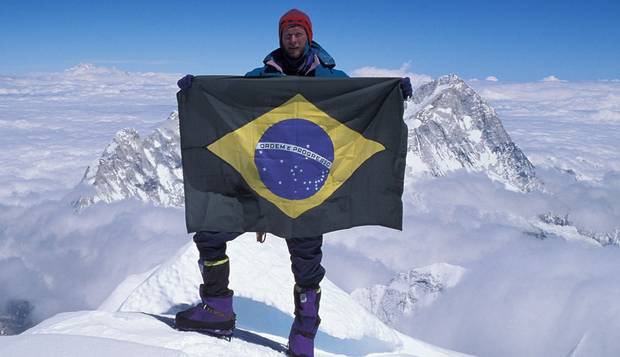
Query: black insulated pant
(305,254)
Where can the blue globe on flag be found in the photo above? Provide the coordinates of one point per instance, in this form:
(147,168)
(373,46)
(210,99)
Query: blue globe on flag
(294,158)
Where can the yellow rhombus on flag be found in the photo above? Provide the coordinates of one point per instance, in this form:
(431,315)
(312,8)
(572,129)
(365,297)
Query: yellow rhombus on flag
(351,150)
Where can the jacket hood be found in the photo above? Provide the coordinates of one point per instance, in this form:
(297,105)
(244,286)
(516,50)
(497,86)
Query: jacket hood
(326,59)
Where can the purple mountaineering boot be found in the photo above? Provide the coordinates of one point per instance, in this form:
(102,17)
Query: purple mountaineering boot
(306,323)
(214,315)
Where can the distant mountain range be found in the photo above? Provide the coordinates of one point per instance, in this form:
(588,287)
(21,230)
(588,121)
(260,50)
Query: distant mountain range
(450,128)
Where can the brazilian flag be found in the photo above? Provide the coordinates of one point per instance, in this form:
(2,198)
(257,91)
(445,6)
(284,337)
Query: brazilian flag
(293,156)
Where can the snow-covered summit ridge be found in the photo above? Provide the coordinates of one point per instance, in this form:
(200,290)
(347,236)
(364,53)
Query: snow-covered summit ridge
(142,307)
(253,267)
(451,127)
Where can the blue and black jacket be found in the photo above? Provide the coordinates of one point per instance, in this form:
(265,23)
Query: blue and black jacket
(321,64)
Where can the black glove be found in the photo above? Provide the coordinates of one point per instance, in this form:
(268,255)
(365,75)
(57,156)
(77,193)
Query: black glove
(186,82)
(405,86)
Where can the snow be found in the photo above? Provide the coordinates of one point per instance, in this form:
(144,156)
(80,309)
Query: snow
(147,330)
(254,266)
(154,335)
(142,308)
(78,346)
(449,274)
(568,232)
(475,135)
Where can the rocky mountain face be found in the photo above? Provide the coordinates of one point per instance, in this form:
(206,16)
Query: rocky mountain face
(147,169)
(450,128)
(549,224)
(15,317)
(408,291)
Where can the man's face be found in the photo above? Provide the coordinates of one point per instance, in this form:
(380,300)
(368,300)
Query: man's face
(294,41)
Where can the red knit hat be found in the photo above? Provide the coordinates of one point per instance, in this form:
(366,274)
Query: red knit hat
(296,17)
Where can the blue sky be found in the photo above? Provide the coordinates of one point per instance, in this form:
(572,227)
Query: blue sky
(513,40)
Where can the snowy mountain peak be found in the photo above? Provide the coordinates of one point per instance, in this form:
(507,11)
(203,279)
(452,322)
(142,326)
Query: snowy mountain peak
(408,291)
(451,127)
(126,136)
(450,79)
(426,90)
(149,169)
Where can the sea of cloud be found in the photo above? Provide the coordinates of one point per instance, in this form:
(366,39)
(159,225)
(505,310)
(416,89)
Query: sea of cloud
(55,124)
(60,260)
(521,295)
(568,125)
(404,71)
(520,290)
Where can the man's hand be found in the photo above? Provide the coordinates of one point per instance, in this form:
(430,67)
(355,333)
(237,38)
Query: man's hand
(185,82)
(405,86)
